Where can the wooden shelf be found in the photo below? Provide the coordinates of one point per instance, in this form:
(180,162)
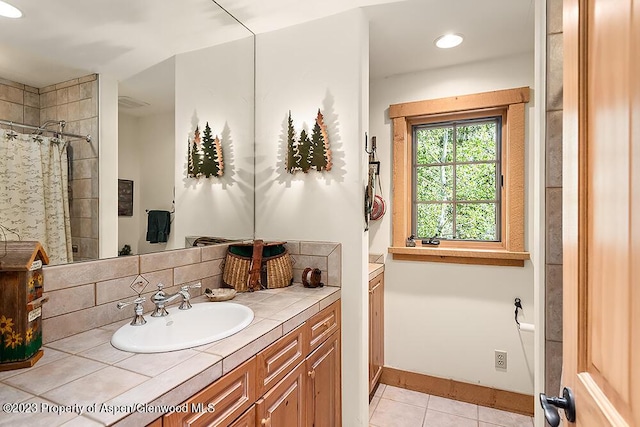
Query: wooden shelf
(460,256)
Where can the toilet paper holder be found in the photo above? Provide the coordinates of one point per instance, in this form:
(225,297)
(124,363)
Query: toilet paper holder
(529,327)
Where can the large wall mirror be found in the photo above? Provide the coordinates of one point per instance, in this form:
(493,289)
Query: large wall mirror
(197,70)
(206,94)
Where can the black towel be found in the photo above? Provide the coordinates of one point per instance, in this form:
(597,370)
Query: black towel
(158,226)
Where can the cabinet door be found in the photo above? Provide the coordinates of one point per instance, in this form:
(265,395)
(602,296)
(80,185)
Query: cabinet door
(248,419)
(283,405)
(221,402)
(324,395)
(376,329)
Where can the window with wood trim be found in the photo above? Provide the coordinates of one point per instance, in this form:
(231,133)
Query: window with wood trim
(458,176)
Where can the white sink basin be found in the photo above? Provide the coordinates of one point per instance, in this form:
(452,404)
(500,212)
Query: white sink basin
(202,324)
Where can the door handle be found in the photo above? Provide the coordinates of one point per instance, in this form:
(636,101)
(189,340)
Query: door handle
(566,402)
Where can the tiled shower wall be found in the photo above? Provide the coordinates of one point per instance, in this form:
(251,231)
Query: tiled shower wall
(76,102)
(83,296)
(19,103)
(553,178)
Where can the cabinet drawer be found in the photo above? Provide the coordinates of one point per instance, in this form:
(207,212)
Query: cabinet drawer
(280,358)
(229,397)
(323,324)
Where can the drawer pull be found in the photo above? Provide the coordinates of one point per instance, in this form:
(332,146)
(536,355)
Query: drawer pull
(266,422)
(327,324)
(312,374)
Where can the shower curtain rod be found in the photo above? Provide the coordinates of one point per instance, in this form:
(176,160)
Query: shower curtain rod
(62,123)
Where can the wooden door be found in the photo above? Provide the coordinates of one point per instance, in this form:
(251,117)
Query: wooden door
(376,330)
(323,396)
(601,210)
(283,405)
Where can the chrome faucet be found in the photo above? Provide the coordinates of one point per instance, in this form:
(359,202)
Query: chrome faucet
(161,299)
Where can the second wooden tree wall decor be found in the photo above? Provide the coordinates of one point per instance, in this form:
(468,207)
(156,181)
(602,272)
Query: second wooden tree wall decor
(308,152)
(205,155)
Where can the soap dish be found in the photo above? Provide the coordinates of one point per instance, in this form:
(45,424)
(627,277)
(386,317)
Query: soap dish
(220,294)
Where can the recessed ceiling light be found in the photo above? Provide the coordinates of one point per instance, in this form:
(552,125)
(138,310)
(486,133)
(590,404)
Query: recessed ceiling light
(448,41)
(9,11)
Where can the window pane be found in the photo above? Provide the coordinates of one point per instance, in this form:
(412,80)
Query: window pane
(434,183)
(434,219)
(434,145)
(476,142)
(476,221)
(476,182)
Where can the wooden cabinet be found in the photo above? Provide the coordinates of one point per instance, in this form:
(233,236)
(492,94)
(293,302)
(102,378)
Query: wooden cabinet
(324,397)
(220,403)
(376,330)
(294,382)
(310,395)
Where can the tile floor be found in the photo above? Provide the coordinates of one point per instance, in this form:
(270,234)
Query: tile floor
(397,407)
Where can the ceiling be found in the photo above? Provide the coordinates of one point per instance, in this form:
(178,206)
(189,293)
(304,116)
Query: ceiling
(402,35)
(58,41)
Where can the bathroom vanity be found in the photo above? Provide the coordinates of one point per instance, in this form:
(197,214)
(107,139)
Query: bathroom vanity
(284,366)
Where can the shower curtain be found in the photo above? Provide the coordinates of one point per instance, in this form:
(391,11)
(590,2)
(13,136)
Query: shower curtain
(34,197)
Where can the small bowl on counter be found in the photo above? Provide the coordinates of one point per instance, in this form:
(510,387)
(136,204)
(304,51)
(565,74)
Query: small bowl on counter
(220,294)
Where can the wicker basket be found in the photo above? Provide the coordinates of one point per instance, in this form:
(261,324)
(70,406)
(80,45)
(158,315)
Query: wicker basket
(257,265)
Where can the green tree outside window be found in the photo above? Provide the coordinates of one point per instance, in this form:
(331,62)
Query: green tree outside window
(456,180)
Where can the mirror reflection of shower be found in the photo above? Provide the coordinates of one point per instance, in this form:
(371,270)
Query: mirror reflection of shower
(35,191)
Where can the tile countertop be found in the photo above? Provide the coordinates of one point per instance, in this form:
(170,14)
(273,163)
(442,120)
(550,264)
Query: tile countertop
(375,269)
(83,380)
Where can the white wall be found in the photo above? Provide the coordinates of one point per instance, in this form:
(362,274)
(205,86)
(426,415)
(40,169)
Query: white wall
(215,85)
(128,168)
(108,166)
(320,64)
(147,156)
(441,319)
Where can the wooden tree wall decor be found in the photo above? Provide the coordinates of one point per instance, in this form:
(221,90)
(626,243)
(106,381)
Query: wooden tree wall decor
(205,155)
(308,152)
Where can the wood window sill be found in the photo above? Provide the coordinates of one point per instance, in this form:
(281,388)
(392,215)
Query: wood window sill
(460,256)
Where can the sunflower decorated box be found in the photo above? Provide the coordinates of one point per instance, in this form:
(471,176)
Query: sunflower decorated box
(21,287)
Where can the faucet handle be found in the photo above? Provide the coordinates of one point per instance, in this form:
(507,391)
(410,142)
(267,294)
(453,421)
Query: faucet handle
(187,287)
(137,301)
(138,319)
(184,290)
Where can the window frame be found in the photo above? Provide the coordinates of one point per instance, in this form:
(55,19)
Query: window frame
(510,249)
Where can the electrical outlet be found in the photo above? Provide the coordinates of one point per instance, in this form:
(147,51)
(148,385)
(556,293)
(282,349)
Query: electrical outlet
(501,360)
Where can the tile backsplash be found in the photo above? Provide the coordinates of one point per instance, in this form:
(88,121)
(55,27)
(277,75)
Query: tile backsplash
(83,296)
